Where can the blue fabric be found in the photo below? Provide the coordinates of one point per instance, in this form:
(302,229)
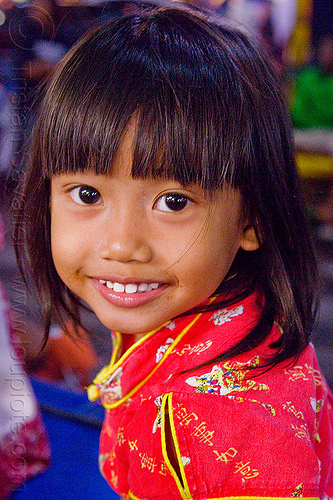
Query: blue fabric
(73,425)
(58,398)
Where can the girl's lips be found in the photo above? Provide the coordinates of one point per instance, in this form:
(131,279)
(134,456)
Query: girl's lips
(130,294)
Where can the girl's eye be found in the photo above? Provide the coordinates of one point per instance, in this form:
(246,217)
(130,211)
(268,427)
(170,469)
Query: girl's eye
(85,195)
(172,202)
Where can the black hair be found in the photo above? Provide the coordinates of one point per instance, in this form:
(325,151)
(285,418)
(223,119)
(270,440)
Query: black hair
(209,110)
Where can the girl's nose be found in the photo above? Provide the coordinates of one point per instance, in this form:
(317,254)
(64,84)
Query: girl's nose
(125,239)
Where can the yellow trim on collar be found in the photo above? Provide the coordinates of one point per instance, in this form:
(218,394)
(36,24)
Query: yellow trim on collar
(108,370)
(132,496)
(93,392)
(113,365)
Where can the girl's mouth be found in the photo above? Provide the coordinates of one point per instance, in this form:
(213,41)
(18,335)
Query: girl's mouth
(129,295)
(130,287)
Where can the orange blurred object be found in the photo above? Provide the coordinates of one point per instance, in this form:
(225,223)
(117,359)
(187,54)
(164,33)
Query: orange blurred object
(74,361)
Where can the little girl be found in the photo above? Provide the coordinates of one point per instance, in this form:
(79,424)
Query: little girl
(162,192)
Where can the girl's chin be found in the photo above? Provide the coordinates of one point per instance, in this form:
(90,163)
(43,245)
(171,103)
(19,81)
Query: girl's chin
(137,330)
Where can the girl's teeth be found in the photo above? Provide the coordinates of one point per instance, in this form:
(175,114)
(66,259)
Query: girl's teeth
(143,287)
(130,287)
(118,287)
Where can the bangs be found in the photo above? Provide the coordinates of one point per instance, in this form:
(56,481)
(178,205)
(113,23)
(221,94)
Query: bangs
(187,103)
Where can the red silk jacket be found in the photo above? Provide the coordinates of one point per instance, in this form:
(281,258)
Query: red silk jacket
(238,432)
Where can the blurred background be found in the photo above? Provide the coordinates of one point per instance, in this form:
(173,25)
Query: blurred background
(34,36)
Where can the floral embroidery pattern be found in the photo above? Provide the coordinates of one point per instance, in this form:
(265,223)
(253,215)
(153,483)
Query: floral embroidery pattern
(163,348)
(317,406)
(101,461)
(224,315)
(110,390)
(227,378)
(298,491)
(106,462)
(158,420)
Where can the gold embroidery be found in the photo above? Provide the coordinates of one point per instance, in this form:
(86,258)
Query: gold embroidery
(203,434)
(133,446)
(163,469)
(149,462)
(298,491)
(304,373)
(197,349)
(267,406)
(246,471)
(120,436)
(182,415)
(226,378)
(291,409)
(227,455)
(302,432)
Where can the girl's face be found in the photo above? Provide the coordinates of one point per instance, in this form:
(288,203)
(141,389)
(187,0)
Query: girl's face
(141,251)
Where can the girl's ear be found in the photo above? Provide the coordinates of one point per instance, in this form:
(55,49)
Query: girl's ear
(249,240)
